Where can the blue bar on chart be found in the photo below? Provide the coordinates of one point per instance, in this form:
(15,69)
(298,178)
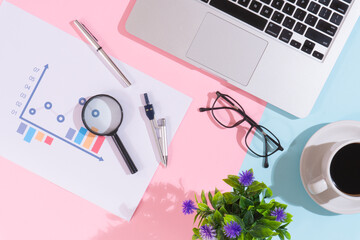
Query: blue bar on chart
(21,129)
(29,135)
(90,139)
(70,134)
(80,136)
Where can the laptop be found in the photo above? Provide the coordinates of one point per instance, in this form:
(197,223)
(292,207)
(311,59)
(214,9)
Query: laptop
(281,51)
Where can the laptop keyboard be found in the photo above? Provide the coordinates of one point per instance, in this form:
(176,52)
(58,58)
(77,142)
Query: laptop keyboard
(306,25)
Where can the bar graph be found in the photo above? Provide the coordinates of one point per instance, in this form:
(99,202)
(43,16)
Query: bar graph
(33,129)
(30,133)
(85,138)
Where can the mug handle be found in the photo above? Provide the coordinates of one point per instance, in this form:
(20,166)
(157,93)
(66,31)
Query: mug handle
(317,186)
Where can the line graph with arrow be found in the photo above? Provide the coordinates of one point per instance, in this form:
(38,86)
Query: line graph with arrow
(80,139)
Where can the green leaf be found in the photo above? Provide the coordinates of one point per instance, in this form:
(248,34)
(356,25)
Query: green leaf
(203,207)
(232,218)
(218,200)
(234,177)
(196,216)
(210,197)
(266,206)
(203,198)
(271,218)
(230,197)
(287,235)
(248,218)
(233,181)
(245,203)
(236,208)
(281,236)
(260,231)
(210,219)
(266,213)
(288,218)
(256,187)
(220,234)
(270,224)
(218,218)
(196,234)
(223,211)
(202,216)
(268,193)
(196,199)
(280,205)
(248,236)
(284,226)
(196,231)
(242,236)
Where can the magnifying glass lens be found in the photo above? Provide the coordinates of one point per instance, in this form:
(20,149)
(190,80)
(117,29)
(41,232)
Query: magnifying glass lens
(102,114)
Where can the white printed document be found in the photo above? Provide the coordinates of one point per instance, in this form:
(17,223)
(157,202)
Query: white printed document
(46,77)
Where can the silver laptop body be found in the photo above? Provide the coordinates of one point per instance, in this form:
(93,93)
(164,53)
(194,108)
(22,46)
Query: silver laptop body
(281,51)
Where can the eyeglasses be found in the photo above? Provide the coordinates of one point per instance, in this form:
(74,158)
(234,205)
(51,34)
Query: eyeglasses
(229,114)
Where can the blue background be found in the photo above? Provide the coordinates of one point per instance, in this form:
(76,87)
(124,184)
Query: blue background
(339,100)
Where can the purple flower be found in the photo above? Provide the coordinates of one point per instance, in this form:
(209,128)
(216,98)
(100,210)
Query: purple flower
(207,232)
(279,213)
(188,207)
(246,178)
(232,229)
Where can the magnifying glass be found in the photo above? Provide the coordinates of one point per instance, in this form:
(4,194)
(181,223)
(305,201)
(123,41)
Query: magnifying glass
(102,115)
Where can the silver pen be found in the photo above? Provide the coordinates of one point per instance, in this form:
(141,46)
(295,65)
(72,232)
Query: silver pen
(93,41)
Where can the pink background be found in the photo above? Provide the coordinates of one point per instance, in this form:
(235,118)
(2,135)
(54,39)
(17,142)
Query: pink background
(201,154)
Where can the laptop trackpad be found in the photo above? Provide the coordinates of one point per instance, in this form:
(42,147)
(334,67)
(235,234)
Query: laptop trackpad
(227,49)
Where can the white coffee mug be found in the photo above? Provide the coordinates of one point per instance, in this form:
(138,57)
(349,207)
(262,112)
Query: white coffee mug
(324,182)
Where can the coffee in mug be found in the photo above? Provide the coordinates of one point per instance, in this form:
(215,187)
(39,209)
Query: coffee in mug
(340,170)
(345,169)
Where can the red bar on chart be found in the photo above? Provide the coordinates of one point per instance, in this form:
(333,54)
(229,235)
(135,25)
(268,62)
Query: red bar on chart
(48,140)
(98,143)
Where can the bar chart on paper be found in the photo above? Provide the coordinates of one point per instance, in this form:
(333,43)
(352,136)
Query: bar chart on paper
(46,77)
(46,116)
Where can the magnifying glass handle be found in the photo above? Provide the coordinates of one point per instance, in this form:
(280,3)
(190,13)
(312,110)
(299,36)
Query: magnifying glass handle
(124,154)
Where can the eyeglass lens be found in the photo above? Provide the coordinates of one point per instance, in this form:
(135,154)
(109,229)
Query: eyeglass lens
(225,113)
(255,142)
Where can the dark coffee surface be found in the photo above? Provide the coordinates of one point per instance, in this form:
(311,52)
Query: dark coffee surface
(345,169)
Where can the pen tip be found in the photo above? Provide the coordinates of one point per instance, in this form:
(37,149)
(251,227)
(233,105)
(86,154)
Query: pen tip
(165,161)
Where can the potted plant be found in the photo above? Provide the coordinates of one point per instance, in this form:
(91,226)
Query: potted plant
(241,214)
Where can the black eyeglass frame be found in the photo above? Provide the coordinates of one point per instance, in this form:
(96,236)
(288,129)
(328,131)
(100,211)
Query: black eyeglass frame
(239,109)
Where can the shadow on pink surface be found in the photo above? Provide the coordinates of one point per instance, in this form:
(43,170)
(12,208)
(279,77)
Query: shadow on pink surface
(159,216)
